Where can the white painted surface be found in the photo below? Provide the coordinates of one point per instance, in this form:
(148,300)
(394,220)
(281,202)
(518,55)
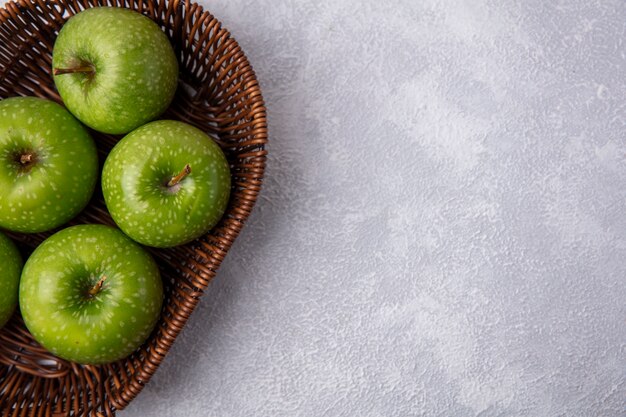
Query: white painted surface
(442,231)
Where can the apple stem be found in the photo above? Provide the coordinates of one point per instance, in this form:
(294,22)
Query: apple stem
(26,158)
(86,69)
(26,161)
(178,178)
(98,287)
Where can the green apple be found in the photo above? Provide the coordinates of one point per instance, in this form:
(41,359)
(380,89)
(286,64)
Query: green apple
(10,270)
(48,165)
(166,183)
(91,295)
(114,68)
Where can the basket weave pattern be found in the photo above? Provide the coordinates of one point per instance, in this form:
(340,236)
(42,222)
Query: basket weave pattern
(218,93)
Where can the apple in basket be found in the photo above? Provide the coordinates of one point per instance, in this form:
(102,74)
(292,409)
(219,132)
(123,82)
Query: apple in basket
(114,68)
(48,165)
(91,295)
(166,183)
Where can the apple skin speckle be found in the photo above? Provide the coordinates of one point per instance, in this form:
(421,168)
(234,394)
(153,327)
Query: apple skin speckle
(135,68)
(62,179)
(10,270)
(134,182)
(90,329)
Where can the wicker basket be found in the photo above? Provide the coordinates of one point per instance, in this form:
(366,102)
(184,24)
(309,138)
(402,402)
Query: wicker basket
(219,93)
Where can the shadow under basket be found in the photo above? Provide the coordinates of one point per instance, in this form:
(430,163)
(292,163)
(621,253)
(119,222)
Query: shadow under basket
(218,93)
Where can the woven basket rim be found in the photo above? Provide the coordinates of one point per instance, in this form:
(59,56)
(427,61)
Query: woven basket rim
(226,101)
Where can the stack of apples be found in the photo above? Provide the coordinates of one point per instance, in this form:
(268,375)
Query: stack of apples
(91,293)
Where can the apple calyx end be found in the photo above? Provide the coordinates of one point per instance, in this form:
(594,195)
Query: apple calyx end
(178,178)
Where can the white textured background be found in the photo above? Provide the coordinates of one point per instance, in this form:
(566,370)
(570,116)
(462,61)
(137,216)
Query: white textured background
(442,231)
(443,227)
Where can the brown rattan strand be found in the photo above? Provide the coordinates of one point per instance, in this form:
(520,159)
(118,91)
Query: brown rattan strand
(220,94)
